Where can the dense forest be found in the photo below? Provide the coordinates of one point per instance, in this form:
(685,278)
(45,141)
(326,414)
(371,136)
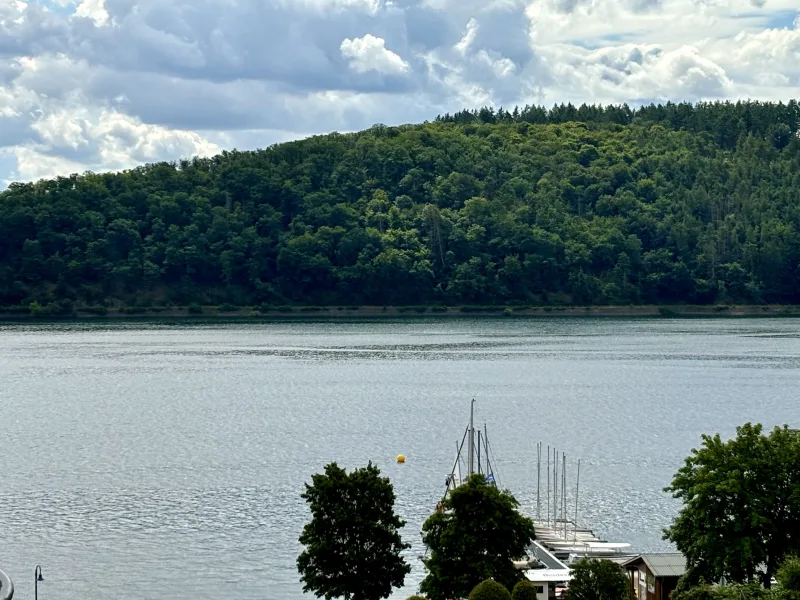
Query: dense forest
(676,203)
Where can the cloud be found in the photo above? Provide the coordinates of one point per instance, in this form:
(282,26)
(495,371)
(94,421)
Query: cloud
(369,53)
(108,84)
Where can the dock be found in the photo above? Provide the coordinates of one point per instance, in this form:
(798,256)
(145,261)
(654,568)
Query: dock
(558,546)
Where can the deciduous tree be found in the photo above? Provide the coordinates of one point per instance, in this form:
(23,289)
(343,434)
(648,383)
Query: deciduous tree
(476,535)
(741,505)
(352,542)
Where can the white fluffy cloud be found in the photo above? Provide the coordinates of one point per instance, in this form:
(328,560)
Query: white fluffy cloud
(369,53)
(108,84)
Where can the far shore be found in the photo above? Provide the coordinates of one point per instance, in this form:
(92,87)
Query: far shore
(294,312)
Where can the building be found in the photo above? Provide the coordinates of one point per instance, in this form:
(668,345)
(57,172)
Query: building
(654,576)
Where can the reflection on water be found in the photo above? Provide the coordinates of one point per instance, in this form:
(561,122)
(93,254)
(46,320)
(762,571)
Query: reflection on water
(151,460)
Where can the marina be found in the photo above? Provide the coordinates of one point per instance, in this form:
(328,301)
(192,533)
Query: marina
(560,541)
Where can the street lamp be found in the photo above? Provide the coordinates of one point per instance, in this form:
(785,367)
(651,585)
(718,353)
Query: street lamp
(37,577)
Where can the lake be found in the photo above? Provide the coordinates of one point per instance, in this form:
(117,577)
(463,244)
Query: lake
(164,460)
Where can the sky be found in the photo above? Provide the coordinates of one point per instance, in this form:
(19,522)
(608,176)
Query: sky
(110,84)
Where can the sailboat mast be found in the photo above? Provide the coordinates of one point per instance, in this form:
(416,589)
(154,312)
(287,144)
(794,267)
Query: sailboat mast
(548,485)
(538,481)
(577,489)
(471,447)
(479,451)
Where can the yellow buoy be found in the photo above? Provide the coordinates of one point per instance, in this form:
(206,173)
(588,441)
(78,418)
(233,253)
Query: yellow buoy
(401,458)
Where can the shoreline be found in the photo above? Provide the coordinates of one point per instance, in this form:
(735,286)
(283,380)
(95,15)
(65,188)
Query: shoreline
(295,312)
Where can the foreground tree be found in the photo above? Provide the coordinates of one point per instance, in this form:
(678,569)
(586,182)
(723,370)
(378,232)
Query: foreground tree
(489,590)
(475,536)
(524,590)
(597,580)
(788,577)
(352,543)
(741,506)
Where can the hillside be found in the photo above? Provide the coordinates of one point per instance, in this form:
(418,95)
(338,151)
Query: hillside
(590,205)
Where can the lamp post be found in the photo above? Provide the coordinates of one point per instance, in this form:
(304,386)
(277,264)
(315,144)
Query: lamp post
(37,577)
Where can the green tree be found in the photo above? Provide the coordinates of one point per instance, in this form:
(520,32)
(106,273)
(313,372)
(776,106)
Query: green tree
(352,543)
(524,590)
(489,590)
(597,580)
(741,505)
(788,577)
(476,536)
(734,591)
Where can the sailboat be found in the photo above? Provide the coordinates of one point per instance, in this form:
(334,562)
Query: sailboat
(476,454)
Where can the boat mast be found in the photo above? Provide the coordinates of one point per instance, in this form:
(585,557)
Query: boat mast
(479,451)
(471,445)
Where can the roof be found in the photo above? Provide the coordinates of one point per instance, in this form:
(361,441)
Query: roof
(667,564)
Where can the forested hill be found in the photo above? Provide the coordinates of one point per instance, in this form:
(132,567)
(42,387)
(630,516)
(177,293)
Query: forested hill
(588,205)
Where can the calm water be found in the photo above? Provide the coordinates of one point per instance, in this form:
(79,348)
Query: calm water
(155,461)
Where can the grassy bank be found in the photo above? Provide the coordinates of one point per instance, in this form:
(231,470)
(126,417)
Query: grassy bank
(272,312)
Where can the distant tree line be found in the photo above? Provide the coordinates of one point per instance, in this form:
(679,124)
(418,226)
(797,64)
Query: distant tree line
(725,121)
(674,203)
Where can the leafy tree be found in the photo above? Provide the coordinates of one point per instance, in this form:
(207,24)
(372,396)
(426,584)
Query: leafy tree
(734,591)
(524,590)
(489,590)
(597,580)
(476,536)
(788,577)
(352,544)
(741,505)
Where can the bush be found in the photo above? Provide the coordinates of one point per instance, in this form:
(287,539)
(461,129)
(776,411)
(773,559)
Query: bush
(284,308)
(416,598)
(228,307)
(438,309)
(489,590)
(195,309)
(524,590)
(789,575)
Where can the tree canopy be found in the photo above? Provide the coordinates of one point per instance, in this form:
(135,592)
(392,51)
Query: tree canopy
(597,580)
(476,535)
(741,505)
(524,590)
(489,590)
(587,205)
(352,543)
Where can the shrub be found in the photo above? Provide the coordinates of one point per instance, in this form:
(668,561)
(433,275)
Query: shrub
(489,590)
(416,598)
(99,310)
(524,590)
(195,309)
(789,575)
(228,307)
(438,309)
(507,312)
(284,308)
